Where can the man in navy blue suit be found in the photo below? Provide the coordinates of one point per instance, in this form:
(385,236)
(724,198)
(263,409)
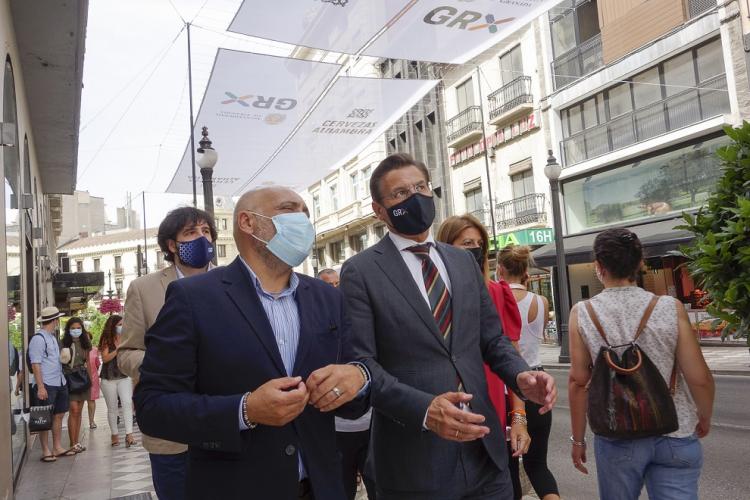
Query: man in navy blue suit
(247,362)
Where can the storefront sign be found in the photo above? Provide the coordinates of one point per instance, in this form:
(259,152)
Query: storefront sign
(501,136)
(530,237)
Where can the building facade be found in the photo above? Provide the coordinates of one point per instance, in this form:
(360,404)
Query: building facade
(640,94)
(42,79)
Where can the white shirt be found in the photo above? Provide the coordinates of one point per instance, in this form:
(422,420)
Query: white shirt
(415,264)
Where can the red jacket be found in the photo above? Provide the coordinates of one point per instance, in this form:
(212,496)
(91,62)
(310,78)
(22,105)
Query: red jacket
(507,309)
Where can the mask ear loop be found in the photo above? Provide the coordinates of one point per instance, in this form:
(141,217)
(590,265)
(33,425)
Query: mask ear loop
(253,234)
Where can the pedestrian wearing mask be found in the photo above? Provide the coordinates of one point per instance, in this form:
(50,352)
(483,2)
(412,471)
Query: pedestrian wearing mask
(114,383)
(513,264)
(647,425)
(185,237)
(423,323)
(78,341)
(245,365)
(49,386)
(467,232)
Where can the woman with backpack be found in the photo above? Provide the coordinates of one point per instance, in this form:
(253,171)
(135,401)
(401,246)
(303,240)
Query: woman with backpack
(639,375)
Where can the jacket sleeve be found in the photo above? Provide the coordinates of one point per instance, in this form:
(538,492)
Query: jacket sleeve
(132,348)
(166,400)
(360,405)
(497,351)
(403,403)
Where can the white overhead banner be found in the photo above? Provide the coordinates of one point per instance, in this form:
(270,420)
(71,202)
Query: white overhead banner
(354,113)
(252,103)
(444,31)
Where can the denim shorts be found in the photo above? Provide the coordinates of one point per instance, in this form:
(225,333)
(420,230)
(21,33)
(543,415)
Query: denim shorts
(669,467)
(57,396)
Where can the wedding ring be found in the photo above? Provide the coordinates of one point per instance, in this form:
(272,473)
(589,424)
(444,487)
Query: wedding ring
(336,391)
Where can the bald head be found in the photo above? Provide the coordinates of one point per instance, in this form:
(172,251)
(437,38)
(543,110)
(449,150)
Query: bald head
(268,201)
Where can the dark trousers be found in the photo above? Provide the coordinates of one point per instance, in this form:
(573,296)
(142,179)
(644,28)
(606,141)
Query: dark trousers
(169,474)
(535,461)
(476,478)
(353,447)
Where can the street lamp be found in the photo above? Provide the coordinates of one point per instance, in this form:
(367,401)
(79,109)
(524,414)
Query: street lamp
(206,162)
(553,170)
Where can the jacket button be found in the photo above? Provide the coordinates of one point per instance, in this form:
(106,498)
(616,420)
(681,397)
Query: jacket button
(290,450)
(454,359)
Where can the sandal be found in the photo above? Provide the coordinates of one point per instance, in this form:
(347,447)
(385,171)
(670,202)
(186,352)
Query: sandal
(48,459)
(79,448)
(67,453)
(130,441)
(92,425)
(115,443)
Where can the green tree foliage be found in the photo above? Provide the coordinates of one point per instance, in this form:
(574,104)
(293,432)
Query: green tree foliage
(719,258)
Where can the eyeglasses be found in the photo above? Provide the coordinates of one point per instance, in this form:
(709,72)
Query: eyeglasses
(403,193)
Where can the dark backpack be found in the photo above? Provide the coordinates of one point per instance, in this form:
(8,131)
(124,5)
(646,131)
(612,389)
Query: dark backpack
(627,396)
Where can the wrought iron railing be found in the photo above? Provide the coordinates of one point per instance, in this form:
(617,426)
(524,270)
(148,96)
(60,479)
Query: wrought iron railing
(483,215)
(578,62)
(519,211)
(510,96)
(675,112)
(698,7)
(468,120)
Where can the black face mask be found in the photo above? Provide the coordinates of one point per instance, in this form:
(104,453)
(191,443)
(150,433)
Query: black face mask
(478,254)
(414,215)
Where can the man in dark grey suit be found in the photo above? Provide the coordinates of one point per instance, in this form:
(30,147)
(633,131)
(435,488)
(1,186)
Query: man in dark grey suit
(423,324)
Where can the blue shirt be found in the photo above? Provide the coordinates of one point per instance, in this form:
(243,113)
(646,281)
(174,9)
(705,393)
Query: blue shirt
(52,373)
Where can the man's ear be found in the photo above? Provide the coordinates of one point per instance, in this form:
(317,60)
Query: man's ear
(245,223)
(172,245)
(380,212)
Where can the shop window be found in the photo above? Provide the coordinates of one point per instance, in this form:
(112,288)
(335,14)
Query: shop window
(667,183)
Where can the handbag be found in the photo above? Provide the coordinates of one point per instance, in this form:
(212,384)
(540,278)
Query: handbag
(40,418)
(78,379)
(627,396)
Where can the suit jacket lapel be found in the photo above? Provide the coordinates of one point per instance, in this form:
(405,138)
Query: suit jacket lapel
(304,306)
(241,291)
(389,259)
(168,275)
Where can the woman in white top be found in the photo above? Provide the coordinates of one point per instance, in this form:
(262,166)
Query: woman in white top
(669,465)
(513,266)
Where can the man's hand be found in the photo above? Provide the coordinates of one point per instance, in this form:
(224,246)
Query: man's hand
(277,402)
(448,422)
(538,387)
(41,393)
(334,385)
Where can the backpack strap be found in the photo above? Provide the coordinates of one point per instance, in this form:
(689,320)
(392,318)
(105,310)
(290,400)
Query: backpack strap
(646,316)
(595,321)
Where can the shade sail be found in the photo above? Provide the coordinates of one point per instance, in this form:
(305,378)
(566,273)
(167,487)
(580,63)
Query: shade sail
(657,239)
(351,116)
(251,105)
(444,31)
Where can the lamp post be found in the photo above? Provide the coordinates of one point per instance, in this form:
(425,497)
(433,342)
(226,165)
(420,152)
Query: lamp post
(206,162)
(552,170)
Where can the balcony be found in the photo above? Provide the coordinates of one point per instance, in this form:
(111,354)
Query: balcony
(578,62)
(465,127)
(511,101)
(698,7)
(673,113)
(529,209)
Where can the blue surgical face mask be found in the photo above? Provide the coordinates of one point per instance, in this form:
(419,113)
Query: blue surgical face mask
(196,253)
(76,332)
(118,329)
(294,237)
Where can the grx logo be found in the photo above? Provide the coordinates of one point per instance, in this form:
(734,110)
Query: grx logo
(450,17)
(360,113)
(340,3)
(238,99)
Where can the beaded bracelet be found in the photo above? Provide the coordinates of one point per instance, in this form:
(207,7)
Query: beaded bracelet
(245,417)
(578,443)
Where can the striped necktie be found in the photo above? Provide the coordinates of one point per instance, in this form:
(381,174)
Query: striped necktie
(437,292)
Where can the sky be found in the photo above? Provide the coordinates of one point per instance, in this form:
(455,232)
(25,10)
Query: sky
(135,109)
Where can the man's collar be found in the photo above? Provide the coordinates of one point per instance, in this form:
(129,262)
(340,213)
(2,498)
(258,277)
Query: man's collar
(290,290)
(180,274)
(404,243)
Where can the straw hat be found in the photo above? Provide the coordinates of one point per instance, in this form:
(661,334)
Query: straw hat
(49,313)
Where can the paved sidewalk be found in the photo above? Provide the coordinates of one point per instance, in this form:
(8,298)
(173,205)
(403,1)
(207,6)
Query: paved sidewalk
(100,472)
(721,359)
